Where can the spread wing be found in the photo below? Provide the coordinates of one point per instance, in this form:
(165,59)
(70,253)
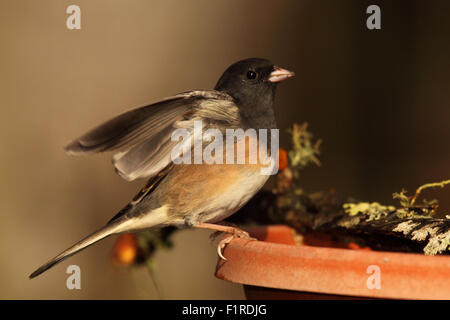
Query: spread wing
(142,137)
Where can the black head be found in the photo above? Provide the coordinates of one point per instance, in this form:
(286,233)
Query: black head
(252,82)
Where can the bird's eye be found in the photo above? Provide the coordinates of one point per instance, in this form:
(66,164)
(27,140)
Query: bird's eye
(251,75)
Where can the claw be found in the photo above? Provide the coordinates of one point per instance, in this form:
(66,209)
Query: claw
(238,234)
(222,245)
(219,253)
(233,231)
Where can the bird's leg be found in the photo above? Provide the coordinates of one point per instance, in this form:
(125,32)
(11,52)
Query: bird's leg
(217,233)
(223,227)
(232,230)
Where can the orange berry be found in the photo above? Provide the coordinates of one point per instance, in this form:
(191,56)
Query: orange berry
(282,159)
(125,249)
(355,246)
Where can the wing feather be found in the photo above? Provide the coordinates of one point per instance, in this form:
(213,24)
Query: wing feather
(142,136)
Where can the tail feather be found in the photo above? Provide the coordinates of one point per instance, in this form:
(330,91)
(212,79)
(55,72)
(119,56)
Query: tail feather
(98,235)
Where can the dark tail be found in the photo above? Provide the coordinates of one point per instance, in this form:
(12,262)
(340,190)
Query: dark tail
(104,232)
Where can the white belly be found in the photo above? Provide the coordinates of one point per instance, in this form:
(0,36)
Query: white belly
(223,206)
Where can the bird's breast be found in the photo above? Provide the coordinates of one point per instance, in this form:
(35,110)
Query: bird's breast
(212,192)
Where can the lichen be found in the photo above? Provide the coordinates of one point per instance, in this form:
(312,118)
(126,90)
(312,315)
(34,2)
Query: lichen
(406,227)
(348,223)
(426,186)
(438,244)
(423,233)
(372,211)
(304,150)
(405,201)
(408,203)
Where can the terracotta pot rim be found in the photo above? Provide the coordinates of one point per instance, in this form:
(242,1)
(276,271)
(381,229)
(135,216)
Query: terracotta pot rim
(333,270)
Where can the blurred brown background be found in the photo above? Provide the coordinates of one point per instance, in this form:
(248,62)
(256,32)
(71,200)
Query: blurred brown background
(378,99)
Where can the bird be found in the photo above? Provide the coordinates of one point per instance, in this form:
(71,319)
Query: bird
(196,195)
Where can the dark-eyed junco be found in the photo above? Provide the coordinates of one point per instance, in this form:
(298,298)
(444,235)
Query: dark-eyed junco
(193,195)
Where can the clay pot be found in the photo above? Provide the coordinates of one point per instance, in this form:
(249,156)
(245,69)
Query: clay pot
(274,267)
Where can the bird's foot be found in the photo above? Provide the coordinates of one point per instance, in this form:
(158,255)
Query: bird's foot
(217,233)
(237,233)
(232,231)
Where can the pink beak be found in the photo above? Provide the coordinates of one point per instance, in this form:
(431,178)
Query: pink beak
(278,74)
